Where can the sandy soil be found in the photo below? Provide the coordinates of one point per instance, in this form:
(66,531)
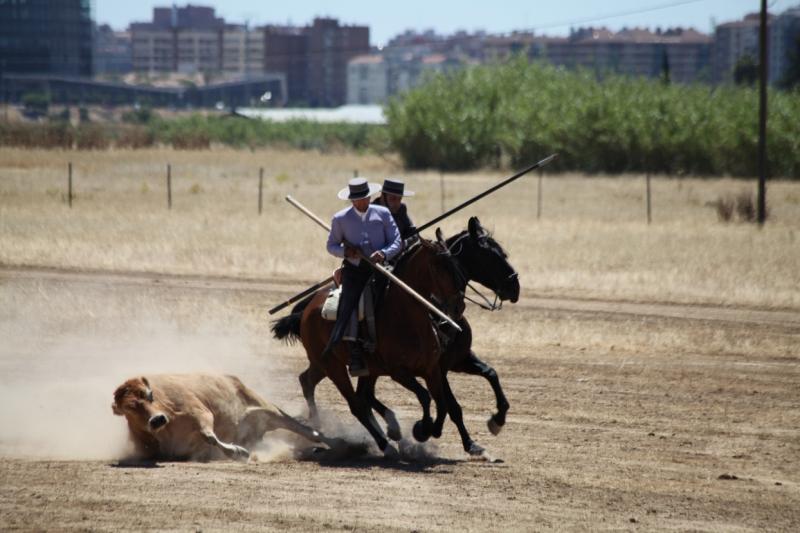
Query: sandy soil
(625,415)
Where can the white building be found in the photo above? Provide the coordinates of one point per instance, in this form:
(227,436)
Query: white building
(371,79)
(367,80)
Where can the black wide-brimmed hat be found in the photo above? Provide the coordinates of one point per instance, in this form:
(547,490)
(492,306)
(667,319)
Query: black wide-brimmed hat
(358,188)
(395,186)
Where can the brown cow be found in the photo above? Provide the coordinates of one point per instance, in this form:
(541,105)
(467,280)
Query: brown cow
(199,417)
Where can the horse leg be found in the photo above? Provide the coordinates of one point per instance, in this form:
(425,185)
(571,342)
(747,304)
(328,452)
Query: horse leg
(423,428)
(434,383)
(366,389)
(454,409)
(474,366)
(360,408)
(309,380)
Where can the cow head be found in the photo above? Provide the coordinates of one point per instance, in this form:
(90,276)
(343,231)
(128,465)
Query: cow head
(134,400)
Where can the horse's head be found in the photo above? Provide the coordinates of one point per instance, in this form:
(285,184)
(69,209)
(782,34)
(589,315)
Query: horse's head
(482,259)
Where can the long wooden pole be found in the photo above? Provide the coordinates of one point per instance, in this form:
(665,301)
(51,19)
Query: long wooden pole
(379,268)
(488,191)
(326,282)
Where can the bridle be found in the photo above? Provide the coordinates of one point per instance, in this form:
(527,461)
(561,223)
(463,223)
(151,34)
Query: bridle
(488,305)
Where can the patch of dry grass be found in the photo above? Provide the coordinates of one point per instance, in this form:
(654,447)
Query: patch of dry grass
(592,239)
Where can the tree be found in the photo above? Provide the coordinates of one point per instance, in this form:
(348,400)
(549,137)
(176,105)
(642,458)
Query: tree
(746,71)
(665,75)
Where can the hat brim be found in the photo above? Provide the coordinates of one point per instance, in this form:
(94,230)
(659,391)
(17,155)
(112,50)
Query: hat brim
(405,193)
(344,194)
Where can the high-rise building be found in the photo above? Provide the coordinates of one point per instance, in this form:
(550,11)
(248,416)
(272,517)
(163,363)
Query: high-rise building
(286,51)
(330,47)
(46,37)
(784,41)
(732,42)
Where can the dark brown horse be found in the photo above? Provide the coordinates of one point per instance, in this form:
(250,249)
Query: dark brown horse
(408,341)
(480,258)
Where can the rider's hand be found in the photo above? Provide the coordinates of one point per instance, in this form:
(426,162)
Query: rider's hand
(350,252)
(378,257)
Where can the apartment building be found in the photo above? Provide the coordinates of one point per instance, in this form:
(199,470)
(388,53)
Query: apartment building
(733,41)
(330,47)
(372,78)
(784,41)
(632,52)
(46,37)
(367,80)
(192,40)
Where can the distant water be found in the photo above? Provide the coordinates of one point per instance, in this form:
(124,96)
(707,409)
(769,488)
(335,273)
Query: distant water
(356,114)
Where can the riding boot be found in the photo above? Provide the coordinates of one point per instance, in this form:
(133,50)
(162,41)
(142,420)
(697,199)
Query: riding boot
(357,365)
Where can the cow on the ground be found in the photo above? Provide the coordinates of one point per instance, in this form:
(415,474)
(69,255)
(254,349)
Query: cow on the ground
(199,417)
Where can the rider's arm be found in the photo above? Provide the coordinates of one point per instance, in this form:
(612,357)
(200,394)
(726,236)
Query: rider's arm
(336,238)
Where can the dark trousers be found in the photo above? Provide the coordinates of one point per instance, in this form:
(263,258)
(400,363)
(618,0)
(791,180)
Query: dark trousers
(354,278)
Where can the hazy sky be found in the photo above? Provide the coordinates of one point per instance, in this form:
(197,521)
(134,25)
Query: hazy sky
(387,19)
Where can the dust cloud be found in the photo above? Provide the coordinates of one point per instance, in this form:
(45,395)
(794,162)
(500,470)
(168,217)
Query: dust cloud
(65,350)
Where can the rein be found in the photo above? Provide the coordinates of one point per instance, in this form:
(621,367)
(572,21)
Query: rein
(486,303)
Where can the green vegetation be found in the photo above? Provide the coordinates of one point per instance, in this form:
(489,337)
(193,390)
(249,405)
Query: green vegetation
(521,112)
(509,114)
(142,128)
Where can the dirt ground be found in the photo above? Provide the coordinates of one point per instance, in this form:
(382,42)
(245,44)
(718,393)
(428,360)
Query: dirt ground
(624,415)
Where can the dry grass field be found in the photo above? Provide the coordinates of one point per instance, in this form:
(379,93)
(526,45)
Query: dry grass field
(653,370)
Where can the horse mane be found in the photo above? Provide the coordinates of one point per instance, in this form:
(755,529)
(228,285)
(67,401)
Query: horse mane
(486,237)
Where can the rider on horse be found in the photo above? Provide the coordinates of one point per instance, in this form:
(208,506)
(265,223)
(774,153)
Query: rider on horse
(391,197)
(364,229)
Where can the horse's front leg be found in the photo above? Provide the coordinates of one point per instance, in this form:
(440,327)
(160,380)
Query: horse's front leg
(471,364)
(423,428)
(366,389)
(454,409)
(360,408)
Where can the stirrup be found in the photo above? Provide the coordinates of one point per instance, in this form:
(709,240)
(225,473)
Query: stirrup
(357,366)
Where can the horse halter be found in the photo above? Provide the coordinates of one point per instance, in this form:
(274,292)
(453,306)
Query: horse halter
(488,305)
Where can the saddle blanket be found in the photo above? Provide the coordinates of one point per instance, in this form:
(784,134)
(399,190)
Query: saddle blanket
(331,305)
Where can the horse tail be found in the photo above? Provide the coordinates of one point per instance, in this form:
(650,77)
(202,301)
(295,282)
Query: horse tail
(288,327)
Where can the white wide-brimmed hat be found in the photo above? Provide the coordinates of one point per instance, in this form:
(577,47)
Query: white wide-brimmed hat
(358,188)
(395,186)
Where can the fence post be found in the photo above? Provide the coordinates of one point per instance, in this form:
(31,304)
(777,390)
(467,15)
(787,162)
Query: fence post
(355,173)
(539,196)
(260,187)
(441,187)
(649,217)
(169,186)
(69,184)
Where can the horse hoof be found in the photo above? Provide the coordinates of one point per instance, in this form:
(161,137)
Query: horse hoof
(493,426)
(391,453)
(478,453)
(421,434)
(476,449)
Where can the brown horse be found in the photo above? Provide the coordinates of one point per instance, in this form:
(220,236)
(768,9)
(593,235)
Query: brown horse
(479,258)
(408,340)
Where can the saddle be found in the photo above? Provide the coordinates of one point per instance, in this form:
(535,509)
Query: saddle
(369,301)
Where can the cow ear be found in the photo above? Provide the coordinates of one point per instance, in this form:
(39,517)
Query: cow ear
(146,383)
(116,410)
(474,227)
